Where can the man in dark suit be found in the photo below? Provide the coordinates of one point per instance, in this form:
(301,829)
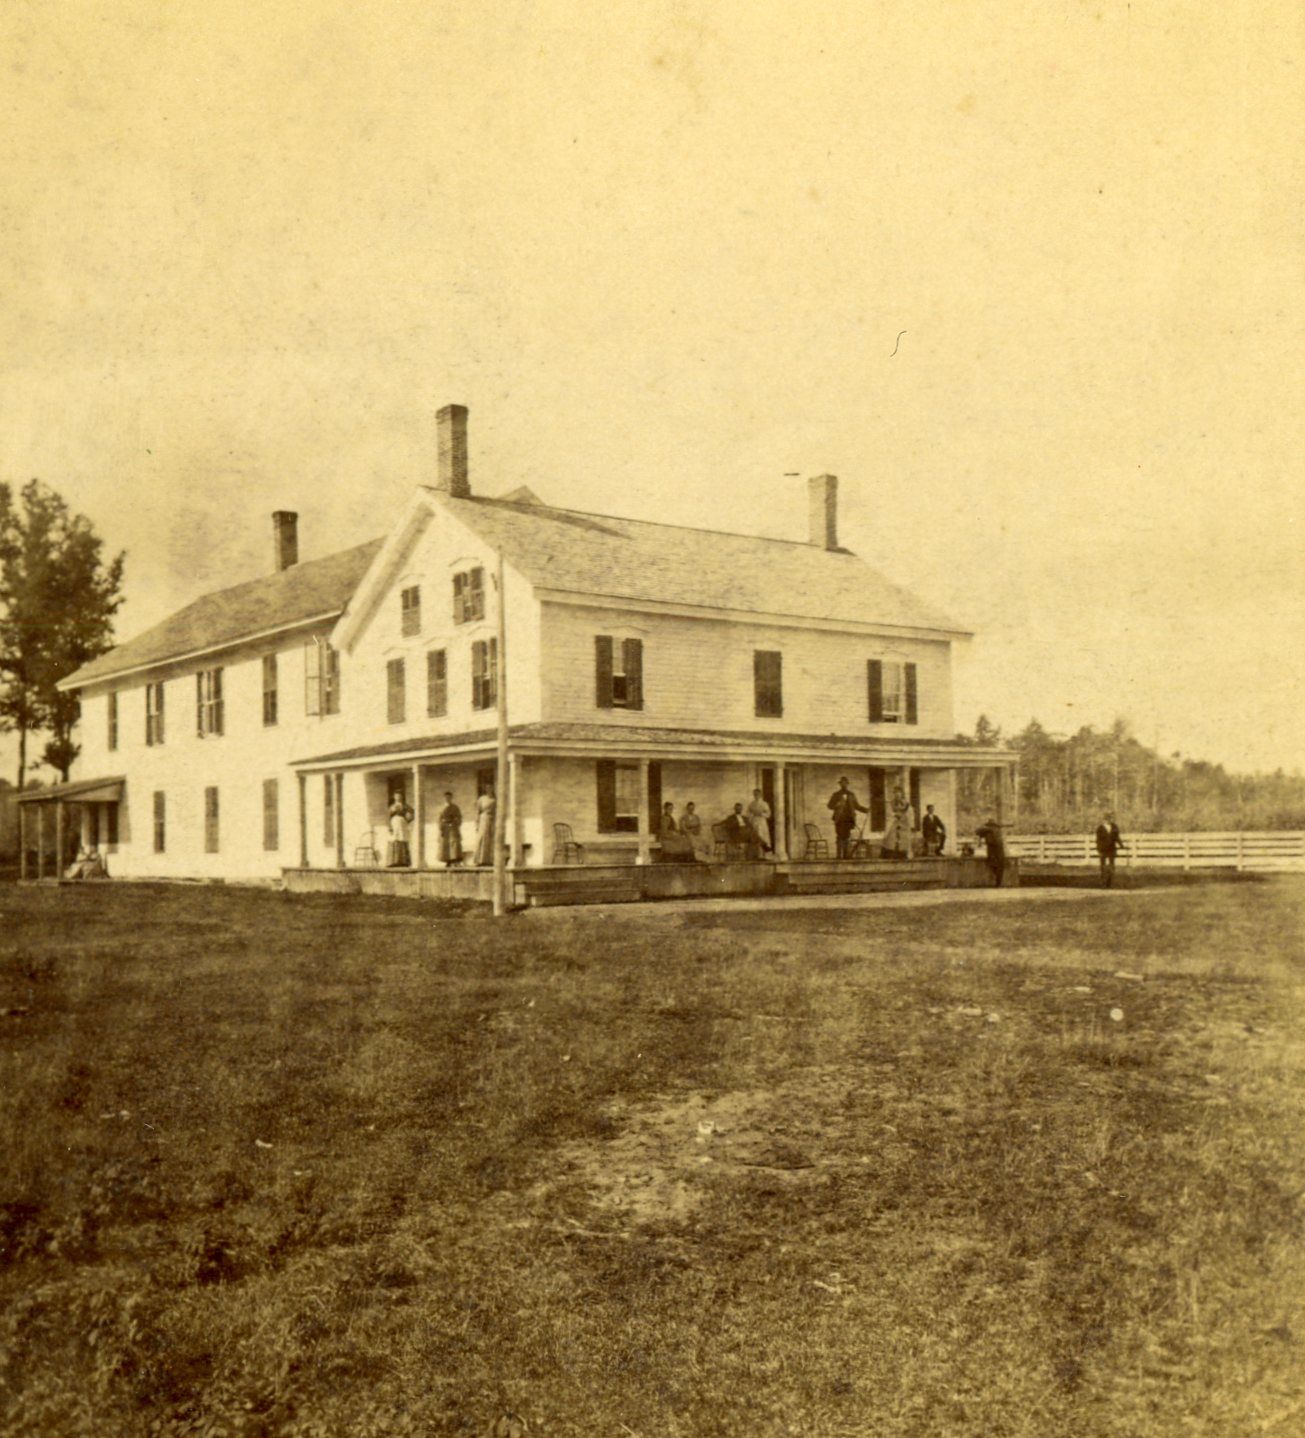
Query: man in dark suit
(1109,843)
(990,833)
(740,836)
(933,831)
(845,806)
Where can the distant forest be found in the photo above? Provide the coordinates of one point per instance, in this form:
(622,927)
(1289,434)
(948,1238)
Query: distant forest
(1066,781)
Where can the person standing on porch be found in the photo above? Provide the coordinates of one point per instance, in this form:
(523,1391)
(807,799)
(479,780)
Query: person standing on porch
(450,822)
(897,840)
(933,831)
(400,855)
(485,828)
(759,816)
(845,806)
(990,833)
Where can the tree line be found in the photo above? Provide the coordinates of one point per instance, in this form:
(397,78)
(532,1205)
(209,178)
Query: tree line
(1066,781)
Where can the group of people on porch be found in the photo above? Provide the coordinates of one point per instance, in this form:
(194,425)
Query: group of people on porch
(897,842)
(399,852)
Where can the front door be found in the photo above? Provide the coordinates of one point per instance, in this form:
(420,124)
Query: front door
(768,794)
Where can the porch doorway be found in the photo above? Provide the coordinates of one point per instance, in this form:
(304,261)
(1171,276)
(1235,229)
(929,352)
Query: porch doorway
(767,787)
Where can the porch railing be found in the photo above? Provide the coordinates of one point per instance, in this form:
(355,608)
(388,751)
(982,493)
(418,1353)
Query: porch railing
(1268,851)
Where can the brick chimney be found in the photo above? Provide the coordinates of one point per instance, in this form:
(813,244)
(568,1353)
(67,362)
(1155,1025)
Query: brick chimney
(285,539)
(823,492)
(451,424)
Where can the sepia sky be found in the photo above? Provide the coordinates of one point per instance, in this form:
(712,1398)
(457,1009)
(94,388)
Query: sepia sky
(665,253)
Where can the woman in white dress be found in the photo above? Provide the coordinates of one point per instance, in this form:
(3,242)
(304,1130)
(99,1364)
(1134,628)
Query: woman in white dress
(759,817)
(898,838)
(399,855)
(485,828)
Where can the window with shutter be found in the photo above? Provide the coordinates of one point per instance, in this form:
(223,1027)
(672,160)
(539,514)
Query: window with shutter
(915,798)
(330,679)
(468,596)
(878,799)
(437,683)
(632,664)
(160,821)
(312,677)
(912,694)
(767,677)
(410,610)
(887,684)
(112,709)
(394,691)
(269,689)
(603,670)
(328,810)
(208,702)
(111,825)
(618,672)
(154,714)
(484,673)
(210,820)
(618,797)
(271,816)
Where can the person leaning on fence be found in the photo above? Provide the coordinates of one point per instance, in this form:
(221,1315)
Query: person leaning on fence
(1109,843)
(990,833)
(845,806)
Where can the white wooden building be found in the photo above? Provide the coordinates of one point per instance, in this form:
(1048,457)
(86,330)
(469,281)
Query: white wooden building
(265,727)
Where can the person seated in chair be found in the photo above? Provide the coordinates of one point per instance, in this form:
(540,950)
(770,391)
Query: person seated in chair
(676,847)
(933,831)
(739,834)
(691,828)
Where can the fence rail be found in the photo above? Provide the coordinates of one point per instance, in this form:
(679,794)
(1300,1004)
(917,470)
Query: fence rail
(1262,851)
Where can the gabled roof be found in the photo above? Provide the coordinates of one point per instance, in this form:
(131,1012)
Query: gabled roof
(316,589)
(632,559)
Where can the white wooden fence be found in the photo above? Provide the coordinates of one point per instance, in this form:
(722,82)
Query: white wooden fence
(1265,850)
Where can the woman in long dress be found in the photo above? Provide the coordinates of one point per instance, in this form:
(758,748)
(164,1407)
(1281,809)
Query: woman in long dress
(691,828)
(898,838)
(485,828)
(450,822)
(759,816)
(676,847)
(400,855)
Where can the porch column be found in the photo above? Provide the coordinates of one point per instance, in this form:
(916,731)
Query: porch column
(22,841)
(514,809)
(781,814)
(338,780)
(1000,801)
(643,855)
(303,821)
(60,836)
(950,817)
(418,818)
(40,841)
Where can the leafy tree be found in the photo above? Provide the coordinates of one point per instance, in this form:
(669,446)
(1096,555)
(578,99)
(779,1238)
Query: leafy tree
(57,602)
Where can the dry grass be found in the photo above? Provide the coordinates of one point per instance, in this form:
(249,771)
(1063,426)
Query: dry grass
(319,1167)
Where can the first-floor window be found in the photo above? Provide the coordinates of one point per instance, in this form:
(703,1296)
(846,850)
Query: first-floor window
(111,825)
(210,820)
(618,796)
(160,821)
(271,816)
(394,696)
(328,810)
(437,683)
(484,674)
(878,799)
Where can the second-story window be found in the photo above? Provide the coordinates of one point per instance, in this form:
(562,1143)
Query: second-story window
(484,673)
(394,696)
(208,702)
(768,683)
(618,671)
(437,683)
(894,693)
(468,596)
(269,689)
(321,678)
(111,704)
(410,610)
(154,713)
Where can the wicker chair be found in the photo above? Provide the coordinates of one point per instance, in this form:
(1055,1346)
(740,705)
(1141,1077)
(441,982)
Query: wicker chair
(365,853)
(565,848)
(817,845)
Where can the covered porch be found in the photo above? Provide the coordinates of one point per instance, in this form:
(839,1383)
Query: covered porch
(56,822)
(583,802)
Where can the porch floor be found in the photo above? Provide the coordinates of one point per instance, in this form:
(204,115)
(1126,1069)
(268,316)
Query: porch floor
(632,883)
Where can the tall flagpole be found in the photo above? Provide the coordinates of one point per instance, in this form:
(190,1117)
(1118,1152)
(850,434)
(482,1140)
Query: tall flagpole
(501,768)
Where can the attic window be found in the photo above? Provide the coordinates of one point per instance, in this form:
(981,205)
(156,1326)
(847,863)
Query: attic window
(468,596)
(321,678)
(410,610)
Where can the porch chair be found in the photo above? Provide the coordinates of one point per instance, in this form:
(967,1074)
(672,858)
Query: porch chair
(723,847)
(817,845)
(565,848)
(365,854)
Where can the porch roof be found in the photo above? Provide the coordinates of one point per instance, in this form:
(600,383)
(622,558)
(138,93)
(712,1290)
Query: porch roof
(642,741)
(85,791)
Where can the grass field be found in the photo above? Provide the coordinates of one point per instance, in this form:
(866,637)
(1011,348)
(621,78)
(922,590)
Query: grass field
(356,1167)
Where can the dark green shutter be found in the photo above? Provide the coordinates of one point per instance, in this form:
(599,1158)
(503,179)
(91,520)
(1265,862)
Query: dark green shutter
(654,797)
(875,679)
(603,671)
(632,653)
(606,776)
(912,696)
(878,799)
